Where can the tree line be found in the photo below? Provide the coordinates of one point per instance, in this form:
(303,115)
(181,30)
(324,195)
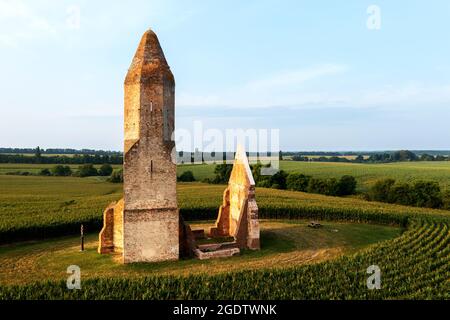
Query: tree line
(425,194)
(67,151)
(397,156)
(344,186)
(61,159)
(85,170)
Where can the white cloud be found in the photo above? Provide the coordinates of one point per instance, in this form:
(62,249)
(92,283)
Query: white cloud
(296,77)
(19,21)
(291,89)
(283,88)
(186,99)
(408,94)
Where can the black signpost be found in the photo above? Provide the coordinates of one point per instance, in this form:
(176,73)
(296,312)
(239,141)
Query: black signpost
(82,238)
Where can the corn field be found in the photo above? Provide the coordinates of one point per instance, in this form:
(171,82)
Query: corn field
(415,265)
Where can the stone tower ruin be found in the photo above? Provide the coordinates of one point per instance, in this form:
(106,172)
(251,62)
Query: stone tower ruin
(144,225)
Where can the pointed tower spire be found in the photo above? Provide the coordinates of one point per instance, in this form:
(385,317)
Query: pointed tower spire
(149,62)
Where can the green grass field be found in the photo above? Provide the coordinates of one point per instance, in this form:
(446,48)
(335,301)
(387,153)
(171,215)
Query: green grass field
(38,207)
(366,174)
(35,168)
(284,244)
(411,245)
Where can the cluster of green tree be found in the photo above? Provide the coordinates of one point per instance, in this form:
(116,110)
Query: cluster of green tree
(19,173)
(323,159)
(402,155)
(425,194)
(356,153)
(86,170)
(346,185)
(429,157)
(315,153)
(186,176)
(58,151)
(397,156)
(116,176)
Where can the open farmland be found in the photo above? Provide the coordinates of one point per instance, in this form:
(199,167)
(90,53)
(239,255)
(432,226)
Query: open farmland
(286,243)
(35,168)
(411,246)
(40,207)
(365,174)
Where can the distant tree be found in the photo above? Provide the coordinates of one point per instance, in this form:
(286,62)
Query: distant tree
(346,186)
(446,200)
(359,158)
(45,172)
(278,180)
(38,155)
(400,193)
(329,187)
(264,182)
(222,172)
(297,182)
(116,176)
(404,155)
(186,176)
(87,170)
(380,190)
(105,170)
(427,194)
(426,157)
(61,170)
(299,158)
(38,152)
(256,171)
(332,187)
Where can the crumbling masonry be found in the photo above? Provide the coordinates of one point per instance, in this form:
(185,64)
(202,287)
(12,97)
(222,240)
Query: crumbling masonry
(145,225)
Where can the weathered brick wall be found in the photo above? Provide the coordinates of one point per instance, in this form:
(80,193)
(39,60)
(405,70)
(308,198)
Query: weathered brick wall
(151,235)
(118,227)
(106,240)
(150,203)
(238,215)
(146,222)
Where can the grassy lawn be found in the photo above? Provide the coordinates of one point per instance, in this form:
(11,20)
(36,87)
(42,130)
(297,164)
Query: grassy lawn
(284,244)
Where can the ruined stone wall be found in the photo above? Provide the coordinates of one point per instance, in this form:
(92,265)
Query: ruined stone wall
(241,180)
(150,219)
(238,215)
(118,227)
(150,234)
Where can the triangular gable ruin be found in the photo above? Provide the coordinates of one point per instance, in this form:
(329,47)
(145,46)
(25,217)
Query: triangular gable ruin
(238,215)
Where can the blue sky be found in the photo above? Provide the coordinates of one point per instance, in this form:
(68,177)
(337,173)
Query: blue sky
(312,69)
